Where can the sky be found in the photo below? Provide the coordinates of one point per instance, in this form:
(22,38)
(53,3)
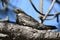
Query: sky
(26,6)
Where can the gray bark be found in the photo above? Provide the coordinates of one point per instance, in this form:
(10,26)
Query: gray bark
(24,32)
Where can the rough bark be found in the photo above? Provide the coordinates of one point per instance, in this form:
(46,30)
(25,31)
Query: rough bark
(24,32)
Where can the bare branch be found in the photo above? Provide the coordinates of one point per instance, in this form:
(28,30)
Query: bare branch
(38,11)
(27,32)
(41,6)
(35,7)
(41,10)
(49,9)
(55,15)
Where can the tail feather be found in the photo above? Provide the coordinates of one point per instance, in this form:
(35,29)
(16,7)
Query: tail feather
(47,27)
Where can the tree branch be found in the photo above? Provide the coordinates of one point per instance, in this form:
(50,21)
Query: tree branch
(41,6)
(49,9)
(39,11)
(55,15)
(26,32)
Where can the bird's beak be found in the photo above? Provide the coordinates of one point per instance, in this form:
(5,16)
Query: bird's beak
(15,10)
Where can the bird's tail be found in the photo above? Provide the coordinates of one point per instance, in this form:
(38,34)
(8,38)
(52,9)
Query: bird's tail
(46,27)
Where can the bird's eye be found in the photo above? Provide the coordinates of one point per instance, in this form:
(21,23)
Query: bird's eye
(17,9)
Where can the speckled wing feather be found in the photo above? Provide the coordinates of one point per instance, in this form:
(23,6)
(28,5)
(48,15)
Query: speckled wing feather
(27,20)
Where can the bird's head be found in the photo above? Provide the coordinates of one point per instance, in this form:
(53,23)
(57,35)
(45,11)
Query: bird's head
(18,11)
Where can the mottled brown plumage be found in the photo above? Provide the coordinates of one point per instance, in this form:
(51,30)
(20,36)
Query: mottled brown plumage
(27,20)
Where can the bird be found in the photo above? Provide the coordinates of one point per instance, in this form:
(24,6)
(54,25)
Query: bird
(27,20)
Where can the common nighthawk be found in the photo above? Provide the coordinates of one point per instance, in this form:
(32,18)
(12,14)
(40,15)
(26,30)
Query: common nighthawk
(27,20)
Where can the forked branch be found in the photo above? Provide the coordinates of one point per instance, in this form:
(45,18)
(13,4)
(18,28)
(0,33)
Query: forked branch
(47,14)
(39,11)
(55,15)
(49,9)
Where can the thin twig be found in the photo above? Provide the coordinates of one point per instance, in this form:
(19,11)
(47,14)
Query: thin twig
(37,10)
(49,9)
(55,15)
(41,6)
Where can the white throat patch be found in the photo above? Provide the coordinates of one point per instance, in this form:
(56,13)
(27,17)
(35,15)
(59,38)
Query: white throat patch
(19,14)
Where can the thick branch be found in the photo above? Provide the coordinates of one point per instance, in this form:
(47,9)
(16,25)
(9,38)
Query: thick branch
(27,32)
